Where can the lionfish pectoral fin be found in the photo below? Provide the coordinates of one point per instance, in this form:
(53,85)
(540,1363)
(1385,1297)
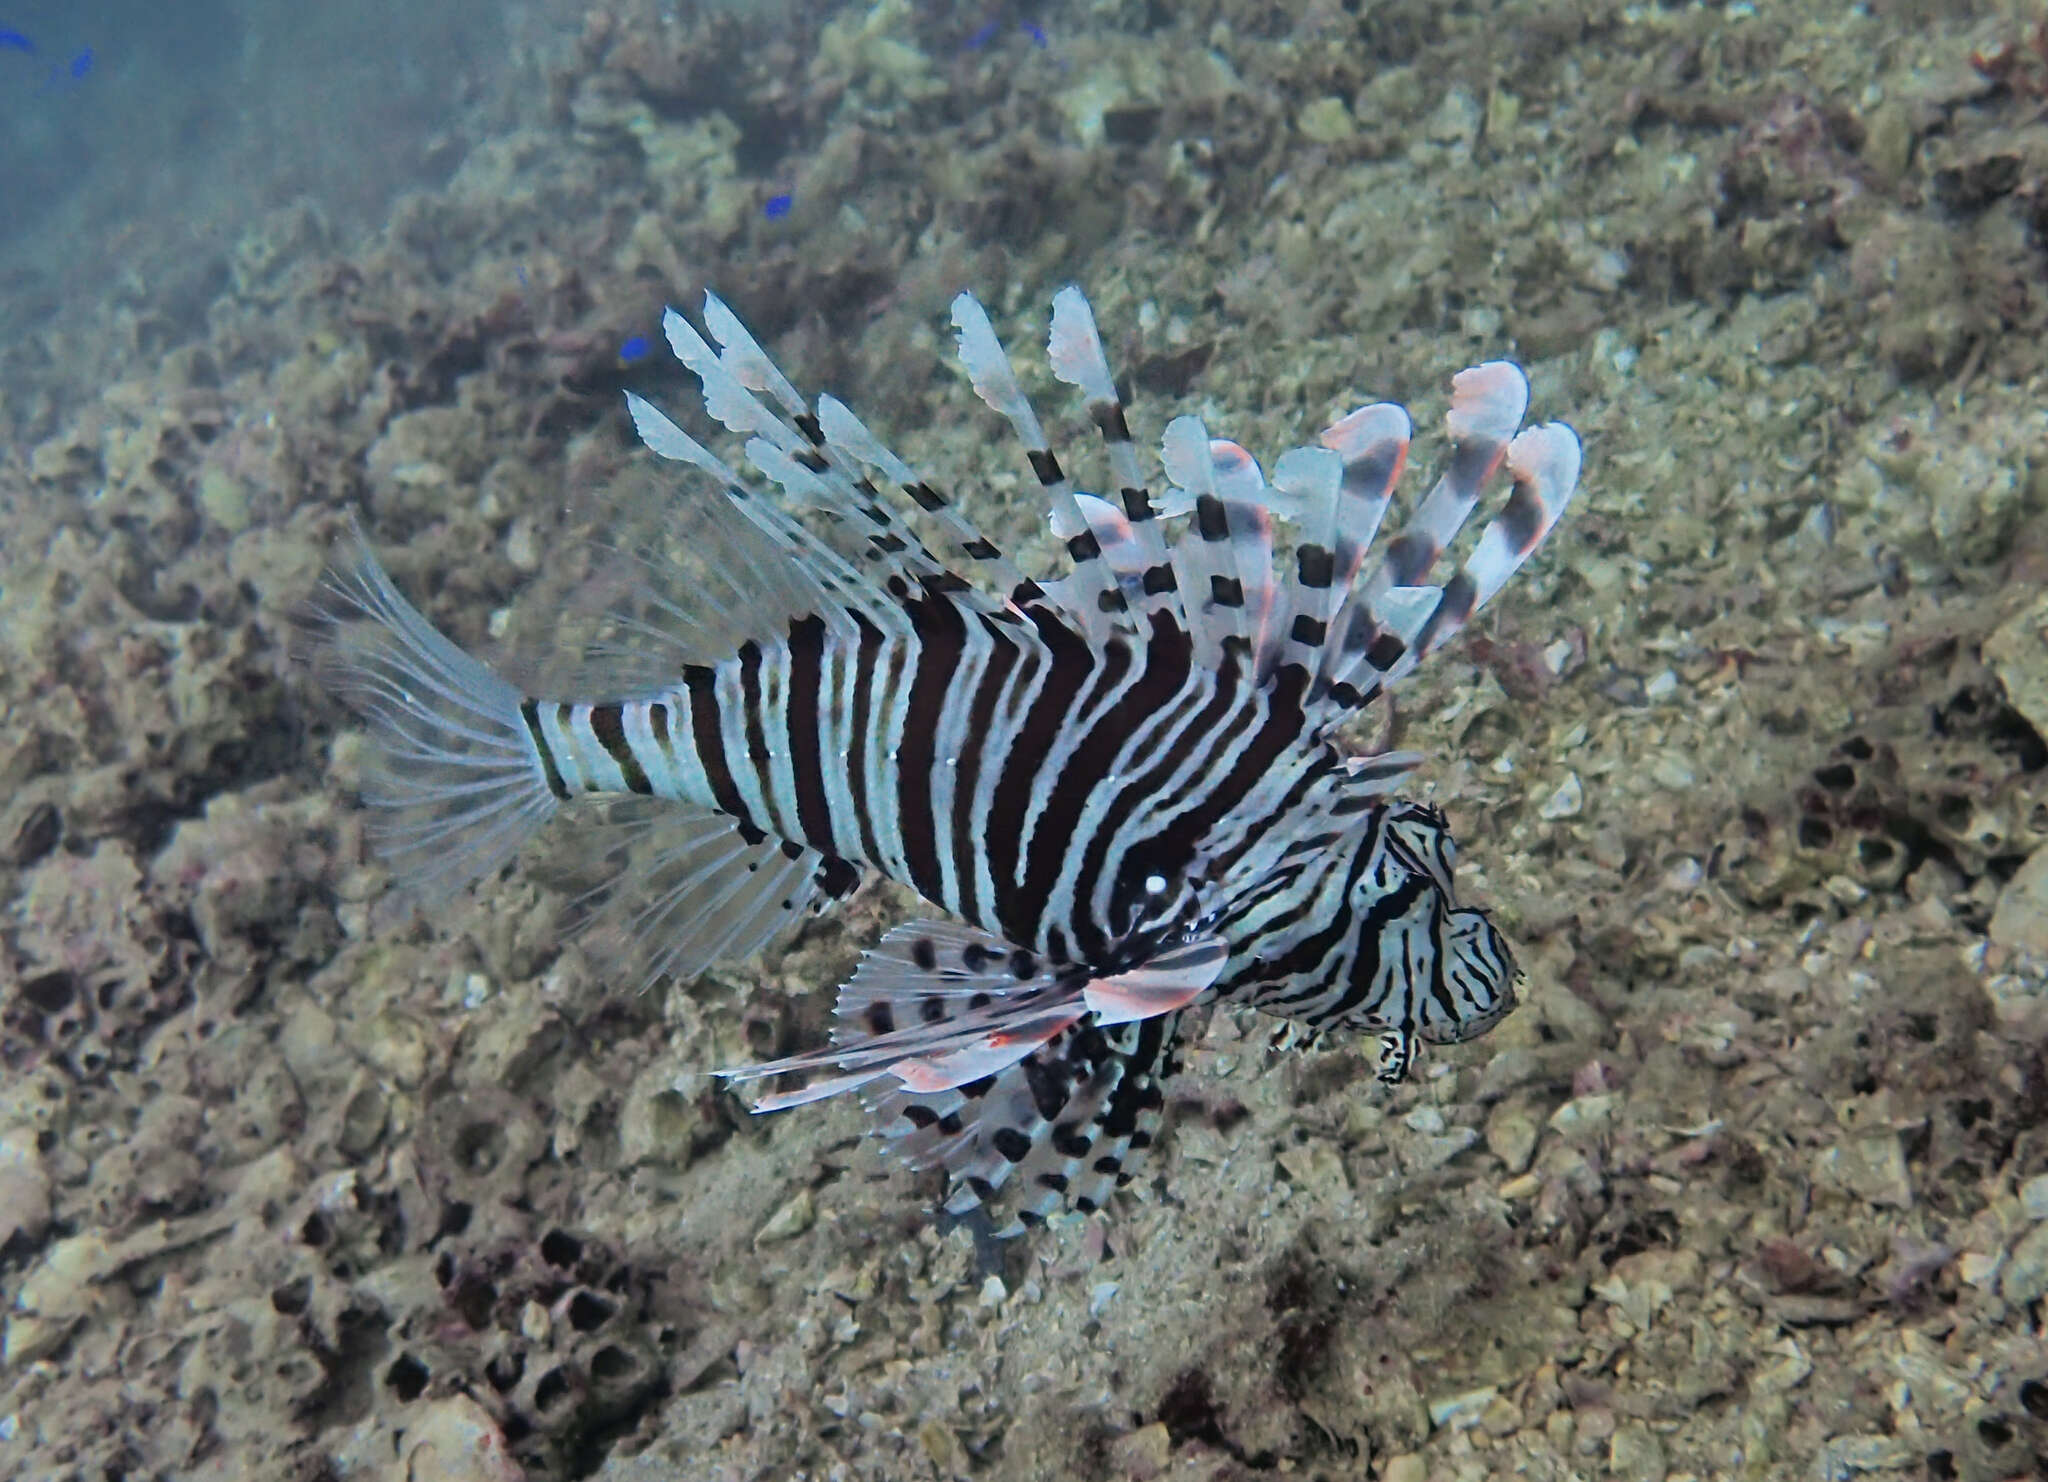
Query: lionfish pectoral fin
(935,1005)
(1065,1127)
(1161,985)
(1004,1071)
(693,888)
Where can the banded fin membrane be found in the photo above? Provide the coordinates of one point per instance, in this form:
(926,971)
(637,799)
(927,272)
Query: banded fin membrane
(1090,592)
(981,1058)
(1392,621)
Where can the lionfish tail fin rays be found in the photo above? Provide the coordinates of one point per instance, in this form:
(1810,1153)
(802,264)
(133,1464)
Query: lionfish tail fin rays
(990,1063)
(452,778)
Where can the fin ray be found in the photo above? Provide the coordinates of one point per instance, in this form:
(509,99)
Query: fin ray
(454,785)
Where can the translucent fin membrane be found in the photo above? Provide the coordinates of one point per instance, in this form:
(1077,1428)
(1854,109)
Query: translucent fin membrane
(454,779)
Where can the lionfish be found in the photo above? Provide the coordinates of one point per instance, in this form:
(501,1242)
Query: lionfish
(1123,787)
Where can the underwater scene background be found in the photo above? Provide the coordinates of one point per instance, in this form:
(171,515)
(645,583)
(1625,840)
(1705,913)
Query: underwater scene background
(1748,762)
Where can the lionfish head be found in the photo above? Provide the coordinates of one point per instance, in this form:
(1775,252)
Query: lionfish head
(1426,965)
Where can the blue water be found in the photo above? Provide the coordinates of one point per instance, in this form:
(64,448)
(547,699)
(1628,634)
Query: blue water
(139,141)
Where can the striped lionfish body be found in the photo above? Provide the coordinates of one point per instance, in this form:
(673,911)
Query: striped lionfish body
(1122,787)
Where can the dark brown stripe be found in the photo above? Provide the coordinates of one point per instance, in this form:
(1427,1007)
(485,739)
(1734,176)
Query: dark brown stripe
(1109,418)
(1169,661)
(1281,727)
(1071,662)
(708,738)
(1059,823)
(865,660)
(529,711)
(755,725)
(941,637)
(1522,521)
(804,712)
(981,715)
(608,724)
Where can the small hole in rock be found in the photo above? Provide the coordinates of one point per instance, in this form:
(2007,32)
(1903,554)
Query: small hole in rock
(454,1218)
(2034,1399)
(612,1362)
(588,1311)
(505,1371)
(1815,833)
(560,1248)
(480,1147)
(552,1389)
(407,1377)
(290,1299)
(1996,1430)
(474,1297)
(1836,776)
(52,992)
(316,1231)
(1941,1466)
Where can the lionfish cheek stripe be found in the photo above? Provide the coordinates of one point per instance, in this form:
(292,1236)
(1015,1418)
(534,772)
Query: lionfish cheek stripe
(1116,786)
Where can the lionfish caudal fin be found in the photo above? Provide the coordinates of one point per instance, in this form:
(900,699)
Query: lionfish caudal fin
(452,779)
(456,785)
(1013,1075)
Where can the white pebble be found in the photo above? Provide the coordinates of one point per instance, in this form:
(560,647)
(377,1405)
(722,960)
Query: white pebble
(1567,801)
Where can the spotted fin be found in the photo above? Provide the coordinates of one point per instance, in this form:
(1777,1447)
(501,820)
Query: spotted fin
(1066,1126)
(979,1057)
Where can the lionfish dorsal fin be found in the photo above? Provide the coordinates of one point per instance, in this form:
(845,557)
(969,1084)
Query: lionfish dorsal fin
(787,443)
(1370,648)
(1127,527)
(848,439)
(715,573)
(1090,593)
